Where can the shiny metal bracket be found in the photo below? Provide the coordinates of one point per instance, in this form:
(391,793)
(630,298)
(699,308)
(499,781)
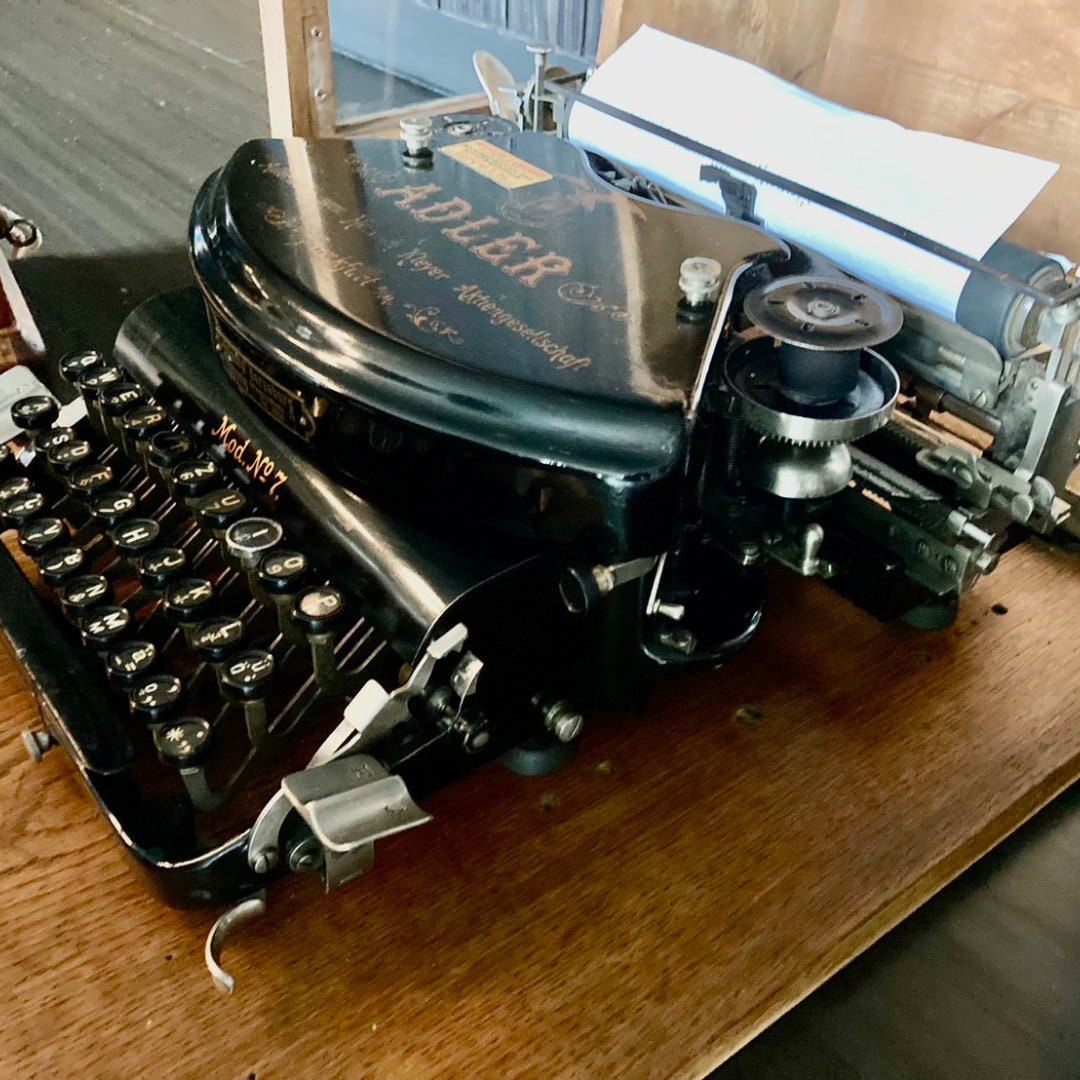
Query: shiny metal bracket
(348,804)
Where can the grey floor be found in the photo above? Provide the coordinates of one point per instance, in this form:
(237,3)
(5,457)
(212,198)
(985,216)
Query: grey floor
(111,114)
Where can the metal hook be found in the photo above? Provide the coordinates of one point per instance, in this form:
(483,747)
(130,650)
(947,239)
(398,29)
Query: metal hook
(241,913)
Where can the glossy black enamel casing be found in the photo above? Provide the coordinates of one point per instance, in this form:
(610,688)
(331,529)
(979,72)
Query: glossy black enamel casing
(496,335)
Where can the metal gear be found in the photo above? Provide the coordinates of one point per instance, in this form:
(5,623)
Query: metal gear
(819,313)
(753,374)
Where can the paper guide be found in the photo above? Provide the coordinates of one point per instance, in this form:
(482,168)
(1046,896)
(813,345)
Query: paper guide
(958,193)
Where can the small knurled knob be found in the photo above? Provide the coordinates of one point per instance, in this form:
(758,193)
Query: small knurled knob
(416,132)
(699,279)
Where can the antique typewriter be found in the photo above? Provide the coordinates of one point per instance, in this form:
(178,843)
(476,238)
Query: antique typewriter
(460,437)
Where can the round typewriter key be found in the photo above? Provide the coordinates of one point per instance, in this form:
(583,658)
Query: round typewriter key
(111,507)
(155,698)
(169,447)
(135,535)
(6,457)
(104,625)
(283,571)
(54,437)
(318,608)
(157,568)
(118,398)
(128,663)
(74,364)
(194,478)
(93,380)
(17,485)
(35,413)
(220,507)
(21,508)
(88,480)
(248,539)
(68,455)
(217,638)
(80,594)
(41,534)
(247,677)
(185,743)
(188,599)
(142,421)
(58,565)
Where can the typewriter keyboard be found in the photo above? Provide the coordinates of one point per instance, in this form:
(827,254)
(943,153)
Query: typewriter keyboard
(197,649)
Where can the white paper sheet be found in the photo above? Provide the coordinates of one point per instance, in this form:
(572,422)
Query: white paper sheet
(958,193)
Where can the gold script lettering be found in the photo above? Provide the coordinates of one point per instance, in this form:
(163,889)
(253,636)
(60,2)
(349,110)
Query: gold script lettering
(498,251)
(409,195)
(452,210)
(258,464)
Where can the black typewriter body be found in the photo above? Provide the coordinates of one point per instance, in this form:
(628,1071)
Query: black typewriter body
(513,442)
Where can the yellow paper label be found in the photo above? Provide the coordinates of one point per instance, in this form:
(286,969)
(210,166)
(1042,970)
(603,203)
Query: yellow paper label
(496,163)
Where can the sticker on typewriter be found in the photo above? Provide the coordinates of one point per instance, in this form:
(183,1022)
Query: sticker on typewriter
(496,163)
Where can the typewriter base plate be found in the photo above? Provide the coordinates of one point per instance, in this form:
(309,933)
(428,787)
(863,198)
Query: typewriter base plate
(678,887)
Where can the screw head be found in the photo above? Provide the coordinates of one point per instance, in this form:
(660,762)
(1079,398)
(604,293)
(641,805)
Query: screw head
(38,744)
(262,862)
(564,721)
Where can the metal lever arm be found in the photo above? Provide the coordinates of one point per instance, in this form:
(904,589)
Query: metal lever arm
(371,714)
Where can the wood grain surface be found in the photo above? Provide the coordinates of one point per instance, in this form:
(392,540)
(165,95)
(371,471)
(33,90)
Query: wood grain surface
(790,38)
(642,914)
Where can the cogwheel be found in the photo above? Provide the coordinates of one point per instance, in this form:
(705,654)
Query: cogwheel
(767,429)
(753,375)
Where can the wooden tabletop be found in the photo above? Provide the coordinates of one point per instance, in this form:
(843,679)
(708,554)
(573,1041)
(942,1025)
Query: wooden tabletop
(686,880)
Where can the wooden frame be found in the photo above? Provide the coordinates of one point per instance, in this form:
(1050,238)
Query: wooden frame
(298,55)
(1010,86)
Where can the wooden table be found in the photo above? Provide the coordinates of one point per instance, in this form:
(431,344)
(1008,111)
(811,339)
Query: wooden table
(642,914)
